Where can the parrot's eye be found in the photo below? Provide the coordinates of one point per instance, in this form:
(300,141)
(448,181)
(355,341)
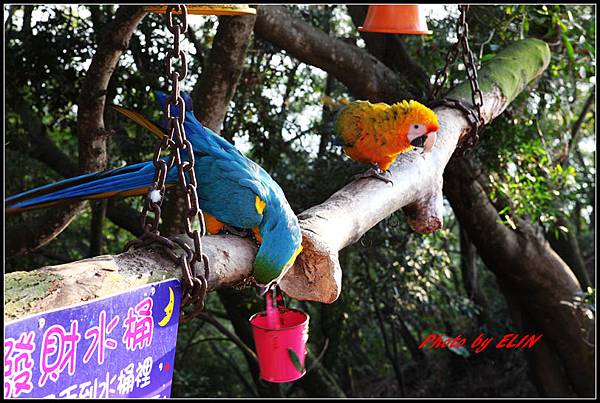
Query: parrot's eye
(416,126)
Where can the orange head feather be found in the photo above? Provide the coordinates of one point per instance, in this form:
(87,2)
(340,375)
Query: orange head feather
(418,113)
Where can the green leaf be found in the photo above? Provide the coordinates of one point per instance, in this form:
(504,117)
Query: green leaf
(295,360)
(488,56)
(570,51)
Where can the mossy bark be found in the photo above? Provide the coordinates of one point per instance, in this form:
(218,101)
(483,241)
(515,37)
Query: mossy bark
(327,228)
(65,285)
(511,70)
(59,286)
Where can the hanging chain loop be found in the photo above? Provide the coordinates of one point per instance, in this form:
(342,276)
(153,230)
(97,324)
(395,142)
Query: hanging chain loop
(193,287)
(472,112)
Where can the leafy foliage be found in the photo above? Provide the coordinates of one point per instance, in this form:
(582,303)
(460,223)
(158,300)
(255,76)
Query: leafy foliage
(398,287)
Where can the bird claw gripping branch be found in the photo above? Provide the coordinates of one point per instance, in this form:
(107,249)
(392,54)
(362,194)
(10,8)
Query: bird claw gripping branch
(375,172)
(193,287)
(253,199)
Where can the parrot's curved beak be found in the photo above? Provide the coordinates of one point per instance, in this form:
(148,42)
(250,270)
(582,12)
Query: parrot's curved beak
(419,141)
(429,142)
(425,141)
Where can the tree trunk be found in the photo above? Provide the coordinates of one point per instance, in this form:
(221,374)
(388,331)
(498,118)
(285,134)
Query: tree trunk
(221,74)
(567,247)
(542,284)
(96,226)
(469,269)
(90,114)
(40,230)
(545,369)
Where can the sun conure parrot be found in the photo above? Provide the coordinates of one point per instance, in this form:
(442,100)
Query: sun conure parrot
(377,133)
(232,191)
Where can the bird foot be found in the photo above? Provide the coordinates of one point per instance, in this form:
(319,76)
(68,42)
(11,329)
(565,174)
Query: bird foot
(241,232)
(375,172)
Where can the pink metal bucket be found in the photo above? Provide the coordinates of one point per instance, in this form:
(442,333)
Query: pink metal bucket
(281,348)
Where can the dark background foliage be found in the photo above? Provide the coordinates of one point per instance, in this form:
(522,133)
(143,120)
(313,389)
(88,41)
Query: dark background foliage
(398,286)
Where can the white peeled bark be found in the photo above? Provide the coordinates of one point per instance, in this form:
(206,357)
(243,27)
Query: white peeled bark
(350,212)
(327,228)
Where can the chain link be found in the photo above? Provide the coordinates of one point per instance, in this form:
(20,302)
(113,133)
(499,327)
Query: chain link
(472,112)
(193,287)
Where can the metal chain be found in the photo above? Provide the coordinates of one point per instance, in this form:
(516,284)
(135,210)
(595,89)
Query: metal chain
(193,287)
(472,112)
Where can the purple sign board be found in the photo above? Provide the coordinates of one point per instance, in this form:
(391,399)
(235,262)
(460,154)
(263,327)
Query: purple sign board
(119,346)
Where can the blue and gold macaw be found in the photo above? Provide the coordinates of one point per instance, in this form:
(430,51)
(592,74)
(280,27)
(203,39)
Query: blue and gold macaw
(232,191)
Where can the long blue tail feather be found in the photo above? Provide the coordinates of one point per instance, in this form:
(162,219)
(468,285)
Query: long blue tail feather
(88,186)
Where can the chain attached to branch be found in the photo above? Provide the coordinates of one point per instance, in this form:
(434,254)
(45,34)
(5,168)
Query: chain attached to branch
(472,112)
(193,287)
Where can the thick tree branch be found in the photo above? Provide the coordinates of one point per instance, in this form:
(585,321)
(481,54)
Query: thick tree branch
(349,213)
(543,284)
(38,144)
(353,210)
(39,230)
(45,150)
(365,76)
(90,114)
(52,287)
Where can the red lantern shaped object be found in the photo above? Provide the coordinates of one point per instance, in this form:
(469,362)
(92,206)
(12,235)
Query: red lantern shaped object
(395,19)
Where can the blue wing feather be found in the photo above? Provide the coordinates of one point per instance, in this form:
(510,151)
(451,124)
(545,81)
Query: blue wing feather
(222,196)
(228,182)
(228,185)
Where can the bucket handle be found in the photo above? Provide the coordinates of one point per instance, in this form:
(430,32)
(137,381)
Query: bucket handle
(277,298)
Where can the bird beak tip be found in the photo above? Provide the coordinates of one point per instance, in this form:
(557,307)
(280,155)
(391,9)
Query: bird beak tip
(430,142)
